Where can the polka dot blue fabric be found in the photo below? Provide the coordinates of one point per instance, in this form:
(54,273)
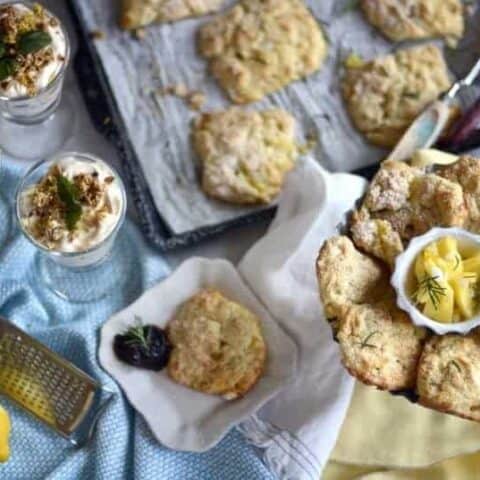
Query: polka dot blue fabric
(123,446)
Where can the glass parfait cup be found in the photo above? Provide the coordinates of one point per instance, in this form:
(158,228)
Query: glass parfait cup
(5,210)
(77,276)
(37,126)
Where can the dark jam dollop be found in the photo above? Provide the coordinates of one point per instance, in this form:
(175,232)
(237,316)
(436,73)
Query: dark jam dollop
(143,347)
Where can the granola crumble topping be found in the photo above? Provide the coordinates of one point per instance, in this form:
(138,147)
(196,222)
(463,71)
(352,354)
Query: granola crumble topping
(45,213)
(30,41)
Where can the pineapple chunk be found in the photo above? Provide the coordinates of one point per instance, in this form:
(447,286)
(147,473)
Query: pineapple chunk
(464,293)
(472,264)
(446,283)
(442,309)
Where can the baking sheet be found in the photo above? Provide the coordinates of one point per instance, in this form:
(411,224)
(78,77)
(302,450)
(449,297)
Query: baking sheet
(159,126)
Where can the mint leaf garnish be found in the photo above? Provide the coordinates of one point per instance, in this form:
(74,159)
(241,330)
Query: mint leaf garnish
(68,194)
(8,67)
(32,42)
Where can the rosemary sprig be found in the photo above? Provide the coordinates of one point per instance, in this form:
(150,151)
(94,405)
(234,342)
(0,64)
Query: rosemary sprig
(364,343)
(455,364)
(432,288)
(136,335)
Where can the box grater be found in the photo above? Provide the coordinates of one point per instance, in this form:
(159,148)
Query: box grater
(48,387)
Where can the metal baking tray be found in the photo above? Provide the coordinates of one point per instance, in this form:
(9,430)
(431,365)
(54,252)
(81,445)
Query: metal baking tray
(105,114)
(103,109)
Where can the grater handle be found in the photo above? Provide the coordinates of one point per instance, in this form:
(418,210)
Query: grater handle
(80,440)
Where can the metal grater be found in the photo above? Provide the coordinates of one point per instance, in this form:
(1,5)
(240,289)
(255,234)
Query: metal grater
(48,387)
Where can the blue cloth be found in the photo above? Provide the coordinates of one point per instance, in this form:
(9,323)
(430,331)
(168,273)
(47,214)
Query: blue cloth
(123,447)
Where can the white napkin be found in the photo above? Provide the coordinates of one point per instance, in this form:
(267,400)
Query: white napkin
(299,428)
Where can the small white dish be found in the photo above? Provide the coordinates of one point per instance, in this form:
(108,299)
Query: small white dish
(181,418)
(403,268)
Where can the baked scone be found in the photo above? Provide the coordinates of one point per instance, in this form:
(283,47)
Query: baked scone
(376,236)
(413,19)
(138,13)
(218,346)
(260,46)
(413,201)
(449,375)
(383,96)
(379,345)
(245,155)
(466,172)
(347,277)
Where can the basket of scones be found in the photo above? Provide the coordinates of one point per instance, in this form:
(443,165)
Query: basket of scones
(400,283)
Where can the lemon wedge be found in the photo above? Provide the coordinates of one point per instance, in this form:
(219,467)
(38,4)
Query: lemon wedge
(5,427)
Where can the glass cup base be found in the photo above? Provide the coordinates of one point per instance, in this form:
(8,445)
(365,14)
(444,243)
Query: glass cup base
(5,221)
(87,284)
(39,140)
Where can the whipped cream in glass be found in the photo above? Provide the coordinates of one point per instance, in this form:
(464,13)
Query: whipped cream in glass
(71,207)
(42,71)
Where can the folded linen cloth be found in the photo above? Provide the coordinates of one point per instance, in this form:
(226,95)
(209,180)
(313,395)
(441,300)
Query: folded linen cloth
(123,447)
(299,427)
(416,443)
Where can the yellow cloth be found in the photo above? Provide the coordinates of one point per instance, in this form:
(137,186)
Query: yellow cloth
(386,437)
(4,435)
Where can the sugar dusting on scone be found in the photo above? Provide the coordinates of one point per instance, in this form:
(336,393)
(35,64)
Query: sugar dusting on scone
(245,155)
(449,375)
(260,46)
(139,13)
(218,346)
(466,172)
(414,19)
(402,202)
(346,276)
(383,96)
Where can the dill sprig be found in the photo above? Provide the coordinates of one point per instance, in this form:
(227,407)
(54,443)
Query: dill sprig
(432,288)
(135,335)
(364,343)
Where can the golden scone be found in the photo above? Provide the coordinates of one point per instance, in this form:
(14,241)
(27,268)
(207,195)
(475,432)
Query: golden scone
(449,375)
(385,95)
(218,347)
(466,172)
(260,46)
(376,237)
(413,201)
(138,13)
(346,276)
(411,19)
(380,346)
(245,155)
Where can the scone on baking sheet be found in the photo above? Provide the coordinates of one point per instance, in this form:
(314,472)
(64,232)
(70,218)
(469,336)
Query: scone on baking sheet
(414,19)
(403,202)
(383,96)
(218,346)
(379,345)
(245,155)
(466,172)
(260,46)
(347,277)
(449,375)
(138,13)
